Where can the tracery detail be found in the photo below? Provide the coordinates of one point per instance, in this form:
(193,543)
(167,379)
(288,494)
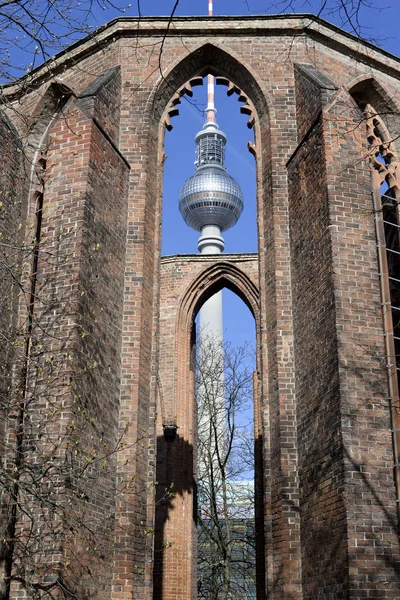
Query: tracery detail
(386,195)
(384,158)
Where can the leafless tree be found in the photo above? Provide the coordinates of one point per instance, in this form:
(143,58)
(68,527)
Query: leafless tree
(226,554)
(32,31)
(49,538)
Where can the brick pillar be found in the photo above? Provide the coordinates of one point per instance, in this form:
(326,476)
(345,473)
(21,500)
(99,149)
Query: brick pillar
(73,372)
(133,541)
(279,442)
(372,527)
(348,523)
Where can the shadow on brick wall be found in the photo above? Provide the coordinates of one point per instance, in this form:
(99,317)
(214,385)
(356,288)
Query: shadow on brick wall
(259,510)
(352,541)
(175,477)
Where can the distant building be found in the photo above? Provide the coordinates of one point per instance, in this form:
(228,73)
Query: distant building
(243,546)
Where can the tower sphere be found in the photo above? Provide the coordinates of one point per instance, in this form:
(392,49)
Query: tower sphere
(211,196)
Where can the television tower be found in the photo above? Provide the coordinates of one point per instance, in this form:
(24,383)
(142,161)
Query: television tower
(211,202)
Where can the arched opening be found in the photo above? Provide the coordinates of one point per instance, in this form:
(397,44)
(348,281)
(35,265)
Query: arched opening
(176,531)
(176,517)
(207,59)
(237,79)
(382,126)
(226,534)
(177,237)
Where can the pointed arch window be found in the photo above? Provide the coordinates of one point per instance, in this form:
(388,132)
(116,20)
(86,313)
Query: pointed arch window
(385,172)
(384,163)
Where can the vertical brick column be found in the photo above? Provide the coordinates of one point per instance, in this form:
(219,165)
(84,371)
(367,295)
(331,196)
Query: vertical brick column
(372,528)
(324,556)
(12,219)
(139,144)
(73,381)
(279,410)
(317,379)
(346,485)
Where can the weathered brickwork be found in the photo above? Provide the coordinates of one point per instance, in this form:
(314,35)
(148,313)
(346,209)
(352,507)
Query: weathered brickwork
(365,415)
(97,119)
(185,283)
(317,377)
(12,215)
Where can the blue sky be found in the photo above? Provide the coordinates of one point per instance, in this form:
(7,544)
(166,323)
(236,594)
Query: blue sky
(180,151)
(379,22)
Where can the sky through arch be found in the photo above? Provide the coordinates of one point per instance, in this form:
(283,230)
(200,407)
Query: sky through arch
(177,237)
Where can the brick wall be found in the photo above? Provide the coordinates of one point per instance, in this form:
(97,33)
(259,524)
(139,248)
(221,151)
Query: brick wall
(12,221)
(326,442)
(73,384)
(365,414)
(321,472)
(339,385)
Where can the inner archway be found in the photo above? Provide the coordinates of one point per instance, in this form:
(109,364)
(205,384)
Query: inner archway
(187,282)
(191,280)
(226,541)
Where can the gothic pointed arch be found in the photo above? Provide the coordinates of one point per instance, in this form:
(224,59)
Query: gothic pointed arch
(367,89)
(186,283)
(210,281)
(46,111)
(211,59)
(213,279)
(369,92)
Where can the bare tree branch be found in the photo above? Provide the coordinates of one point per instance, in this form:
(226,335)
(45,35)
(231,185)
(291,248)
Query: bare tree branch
(226,558)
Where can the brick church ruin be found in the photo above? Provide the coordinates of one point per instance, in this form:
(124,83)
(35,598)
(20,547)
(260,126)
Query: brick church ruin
(97,374)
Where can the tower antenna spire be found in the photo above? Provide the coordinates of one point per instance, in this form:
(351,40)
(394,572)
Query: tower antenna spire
(211,200)
(210,110)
